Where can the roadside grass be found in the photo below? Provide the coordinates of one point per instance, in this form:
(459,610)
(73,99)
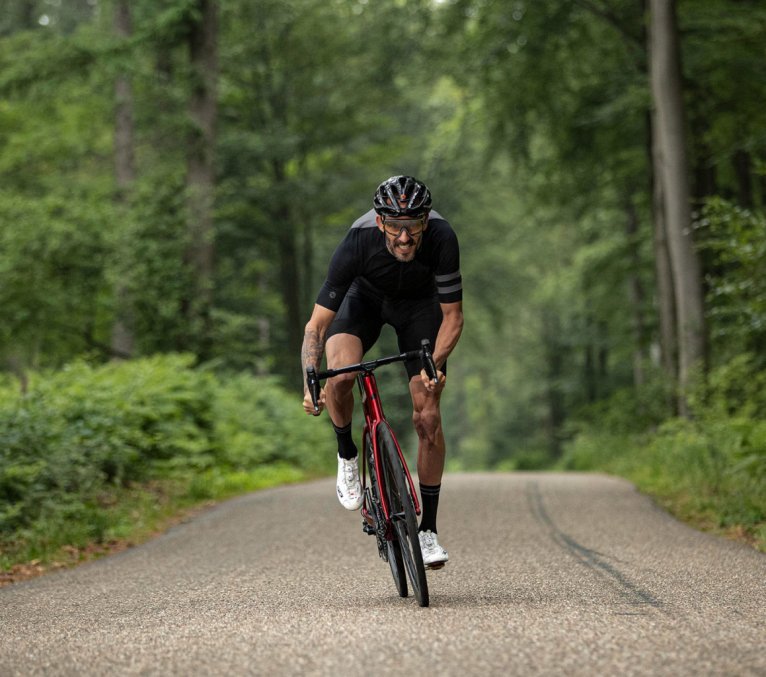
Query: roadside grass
(709,469)
(96,458)
(706,517)
(695,473)
(127,517)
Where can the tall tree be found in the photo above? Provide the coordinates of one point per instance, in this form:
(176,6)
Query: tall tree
(125,175)
(666,298)
(636,293)
(203,108)
(667,95)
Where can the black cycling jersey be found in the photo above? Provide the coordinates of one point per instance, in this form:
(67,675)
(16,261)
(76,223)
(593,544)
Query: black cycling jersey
(363,256)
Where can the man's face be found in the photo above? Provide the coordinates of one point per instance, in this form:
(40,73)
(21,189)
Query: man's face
(403,235)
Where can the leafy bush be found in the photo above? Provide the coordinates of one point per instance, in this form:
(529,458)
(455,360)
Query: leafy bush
(711,468)
(258,422)
(732,242)
(84,433)
(629,410)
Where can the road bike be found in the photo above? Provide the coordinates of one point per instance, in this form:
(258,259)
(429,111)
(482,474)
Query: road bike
(390,507)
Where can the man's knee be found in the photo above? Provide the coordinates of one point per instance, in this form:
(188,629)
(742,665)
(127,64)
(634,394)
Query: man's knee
(427,422)
(343,349)
(342,384)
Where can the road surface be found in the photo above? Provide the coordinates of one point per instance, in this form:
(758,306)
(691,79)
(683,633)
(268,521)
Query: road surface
(552,574)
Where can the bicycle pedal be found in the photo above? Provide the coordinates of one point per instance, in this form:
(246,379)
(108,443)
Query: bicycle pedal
(368,528)
(435,567)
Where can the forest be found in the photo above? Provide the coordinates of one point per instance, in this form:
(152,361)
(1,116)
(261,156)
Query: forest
(175,175)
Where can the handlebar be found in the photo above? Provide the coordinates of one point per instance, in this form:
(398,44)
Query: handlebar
(426,359)
(313,383)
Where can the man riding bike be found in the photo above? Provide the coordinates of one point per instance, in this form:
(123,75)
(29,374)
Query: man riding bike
(398,264)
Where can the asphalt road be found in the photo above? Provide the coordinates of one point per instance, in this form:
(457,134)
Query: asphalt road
(549,574)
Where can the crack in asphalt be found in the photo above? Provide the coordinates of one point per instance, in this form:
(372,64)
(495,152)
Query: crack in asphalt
(592,559)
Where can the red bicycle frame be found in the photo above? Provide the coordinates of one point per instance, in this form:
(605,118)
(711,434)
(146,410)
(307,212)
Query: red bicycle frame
(373,417)
(373,412)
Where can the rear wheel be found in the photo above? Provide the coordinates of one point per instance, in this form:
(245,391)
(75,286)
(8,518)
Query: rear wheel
(388,548)
(403,514)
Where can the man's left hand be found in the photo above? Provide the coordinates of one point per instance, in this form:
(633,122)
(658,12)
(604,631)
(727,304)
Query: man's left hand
(430,386)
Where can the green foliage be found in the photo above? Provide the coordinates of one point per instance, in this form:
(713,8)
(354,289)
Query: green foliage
(258,423)
(710,469)
(51,275)
(148,264)
(528,121)
(82,434)
(733,240)
(48,58)
(626,411)
(85,428)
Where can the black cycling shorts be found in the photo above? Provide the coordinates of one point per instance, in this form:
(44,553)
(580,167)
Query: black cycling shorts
(363,314)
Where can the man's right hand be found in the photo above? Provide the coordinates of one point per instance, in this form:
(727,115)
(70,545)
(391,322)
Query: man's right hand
(308,405)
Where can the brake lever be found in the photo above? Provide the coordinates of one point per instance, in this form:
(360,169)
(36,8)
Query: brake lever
(313,384)
(428,361)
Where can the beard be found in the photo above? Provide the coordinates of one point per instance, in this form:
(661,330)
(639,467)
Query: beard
(404,254)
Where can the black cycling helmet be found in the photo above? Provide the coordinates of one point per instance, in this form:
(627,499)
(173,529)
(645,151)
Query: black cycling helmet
(392,191)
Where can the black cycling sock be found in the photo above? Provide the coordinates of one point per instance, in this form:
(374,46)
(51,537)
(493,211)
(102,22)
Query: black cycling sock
(430,497)
(346,447)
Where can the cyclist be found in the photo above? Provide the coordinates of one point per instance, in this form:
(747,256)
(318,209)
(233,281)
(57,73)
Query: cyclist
(398,264)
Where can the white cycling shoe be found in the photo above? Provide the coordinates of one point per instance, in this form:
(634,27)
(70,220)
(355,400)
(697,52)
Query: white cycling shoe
(434,556)
(348,486)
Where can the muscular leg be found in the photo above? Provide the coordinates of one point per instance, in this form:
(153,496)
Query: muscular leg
(342,349)
(427,419)
(428,424)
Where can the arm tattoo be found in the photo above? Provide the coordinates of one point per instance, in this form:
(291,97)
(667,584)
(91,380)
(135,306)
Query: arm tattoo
(312,350)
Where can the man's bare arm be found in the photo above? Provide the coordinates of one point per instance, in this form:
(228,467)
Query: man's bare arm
(313,348)
(449,332)
(447,338)
(314,337)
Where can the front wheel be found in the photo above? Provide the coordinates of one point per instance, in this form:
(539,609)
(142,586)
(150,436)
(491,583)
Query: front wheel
(388,547)
(403,513)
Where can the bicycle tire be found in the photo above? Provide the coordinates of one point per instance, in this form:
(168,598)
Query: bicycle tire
(393,549)
(405,524)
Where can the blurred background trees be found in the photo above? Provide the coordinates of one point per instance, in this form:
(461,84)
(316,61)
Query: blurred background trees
(175,174)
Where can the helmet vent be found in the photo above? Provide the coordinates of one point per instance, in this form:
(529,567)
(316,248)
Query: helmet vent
(402,196)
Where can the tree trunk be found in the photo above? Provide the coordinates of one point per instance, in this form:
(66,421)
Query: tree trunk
(589,370)
(27,17)
(16,367)
(264,331)
(762,187)
(636,295)
(203,53)
(290,282)
(309,285)
(122,342)
(663,276)
(705,175)
(743,170)
(665,77)
(123,138)
(554,359)
(290,275)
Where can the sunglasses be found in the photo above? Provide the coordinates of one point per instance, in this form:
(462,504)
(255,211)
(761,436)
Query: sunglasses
(414,227)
